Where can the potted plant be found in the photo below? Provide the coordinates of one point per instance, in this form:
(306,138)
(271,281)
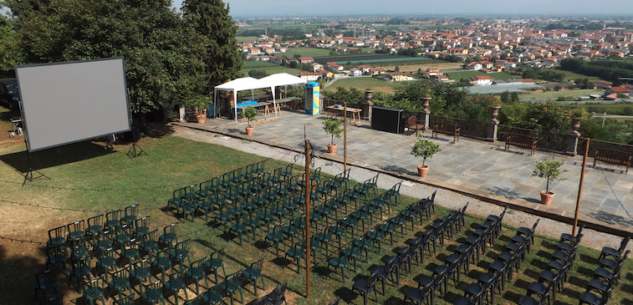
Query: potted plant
(249,113)
(425,149)
(550,170)
(333,127)
(199,105)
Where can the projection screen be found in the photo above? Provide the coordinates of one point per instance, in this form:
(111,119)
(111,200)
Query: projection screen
(64,103)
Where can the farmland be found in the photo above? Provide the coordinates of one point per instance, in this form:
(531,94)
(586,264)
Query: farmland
(269,67)
(556,94)
(572,76)
(306,52)
(362,83)
(246,38)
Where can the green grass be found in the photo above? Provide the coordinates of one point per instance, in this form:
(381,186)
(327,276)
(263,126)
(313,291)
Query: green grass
(468,74)
(362,83)
(173,160)
(556,94)
(306,52)
(571,75)
(246,38)
(269,67)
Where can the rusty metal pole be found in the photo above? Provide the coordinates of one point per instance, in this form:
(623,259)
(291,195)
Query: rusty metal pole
(308,218)
(582,178)
(345,138)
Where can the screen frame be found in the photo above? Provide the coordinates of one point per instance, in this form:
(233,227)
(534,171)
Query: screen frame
(25,119)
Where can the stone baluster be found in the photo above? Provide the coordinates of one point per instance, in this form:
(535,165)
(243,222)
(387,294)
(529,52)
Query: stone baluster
(493,124)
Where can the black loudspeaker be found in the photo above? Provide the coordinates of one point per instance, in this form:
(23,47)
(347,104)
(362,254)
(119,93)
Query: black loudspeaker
(387,119)
(133,135)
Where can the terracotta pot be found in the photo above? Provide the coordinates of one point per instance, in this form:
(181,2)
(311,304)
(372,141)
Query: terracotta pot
(201,118)
(331,148)
(546,198)
(423,170)
(249,131)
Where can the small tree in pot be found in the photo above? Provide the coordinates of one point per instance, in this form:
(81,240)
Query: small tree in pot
(249,113)
(425,149)
(199,105)
(550,170)
(332,127)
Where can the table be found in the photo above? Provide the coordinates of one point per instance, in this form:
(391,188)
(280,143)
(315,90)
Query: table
(333,112)
(256,106)
(285,101)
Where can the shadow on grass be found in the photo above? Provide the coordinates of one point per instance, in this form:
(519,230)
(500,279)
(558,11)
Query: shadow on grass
(54,156)
(512,296)
(589,259)
(549,245)
(345,294)
(574,280)
(532,274)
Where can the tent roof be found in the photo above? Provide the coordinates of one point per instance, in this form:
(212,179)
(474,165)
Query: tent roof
(244,83)
(281,79)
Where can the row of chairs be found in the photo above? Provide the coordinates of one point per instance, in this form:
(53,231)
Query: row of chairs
(553,278)
(607,276)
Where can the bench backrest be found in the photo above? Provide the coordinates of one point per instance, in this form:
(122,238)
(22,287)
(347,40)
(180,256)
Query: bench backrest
(613,156)
(445,126)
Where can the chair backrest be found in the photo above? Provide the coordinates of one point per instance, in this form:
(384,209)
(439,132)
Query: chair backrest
(56,300)
(411,121)
(183,245)
(142,222)
(77,226)
(219,255)
(623,244)
(114,215)
(536,224)
(390,264)
(371,281)
(336,301)
(259,263)
(47,278)
(396,187)
(463,211)
(402,256)
(126,300)
(96,221)
(279,292)
(57,232)
(156,285)
(170,228)
(123,273)
(131,210)
(433,197)
(95,283)
(152,235)
(502,214)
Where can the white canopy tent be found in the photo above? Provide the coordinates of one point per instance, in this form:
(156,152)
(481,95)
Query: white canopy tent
(249,83)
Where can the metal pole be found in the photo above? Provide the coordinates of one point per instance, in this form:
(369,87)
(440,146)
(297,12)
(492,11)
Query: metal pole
(308,219)
(345,138)
(582,178)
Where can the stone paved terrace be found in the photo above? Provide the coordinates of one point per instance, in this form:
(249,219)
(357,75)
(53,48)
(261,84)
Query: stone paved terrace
(468,165)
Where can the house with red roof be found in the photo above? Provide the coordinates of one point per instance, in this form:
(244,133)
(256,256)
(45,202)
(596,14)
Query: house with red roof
(480,80)
(616,91)
(306,60)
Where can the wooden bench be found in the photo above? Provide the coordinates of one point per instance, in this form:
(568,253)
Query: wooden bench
(612,156)
(521,141)
(446,128)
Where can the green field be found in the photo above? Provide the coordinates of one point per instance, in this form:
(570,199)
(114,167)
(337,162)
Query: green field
(246,38)
(557,94)
(270,68)
(362,83)
(306,52)
(571,75)
(468,74)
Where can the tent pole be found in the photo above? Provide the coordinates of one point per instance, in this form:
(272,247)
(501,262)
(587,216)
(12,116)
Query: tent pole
(235,103)
(274,100)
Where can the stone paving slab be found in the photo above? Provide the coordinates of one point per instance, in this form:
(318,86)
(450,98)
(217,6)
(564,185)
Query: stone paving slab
(469,163)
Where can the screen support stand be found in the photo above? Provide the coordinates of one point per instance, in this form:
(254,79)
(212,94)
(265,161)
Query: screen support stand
(29,174)
(135,151)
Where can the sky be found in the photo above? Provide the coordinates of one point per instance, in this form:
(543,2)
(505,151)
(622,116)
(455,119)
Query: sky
(272,8)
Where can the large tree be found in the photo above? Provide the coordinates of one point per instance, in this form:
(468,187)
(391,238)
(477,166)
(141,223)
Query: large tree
(210,18)
(162,55)
(10,53)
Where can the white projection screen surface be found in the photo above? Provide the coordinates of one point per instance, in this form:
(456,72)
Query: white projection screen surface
(64,103)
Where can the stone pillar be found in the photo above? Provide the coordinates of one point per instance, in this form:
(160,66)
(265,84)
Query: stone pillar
(572,140)
(425,113)
(367,105)
(493,124)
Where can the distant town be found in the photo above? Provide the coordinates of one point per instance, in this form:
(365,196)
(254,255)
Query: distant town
(470,52)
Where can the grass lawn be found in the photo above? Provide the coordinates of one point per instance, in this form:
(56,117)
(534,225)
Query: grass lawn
(571,75)
(90,179)
(556,94)
(468,74)
(362,83)
(269,67)
(306,52)
(246,38)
